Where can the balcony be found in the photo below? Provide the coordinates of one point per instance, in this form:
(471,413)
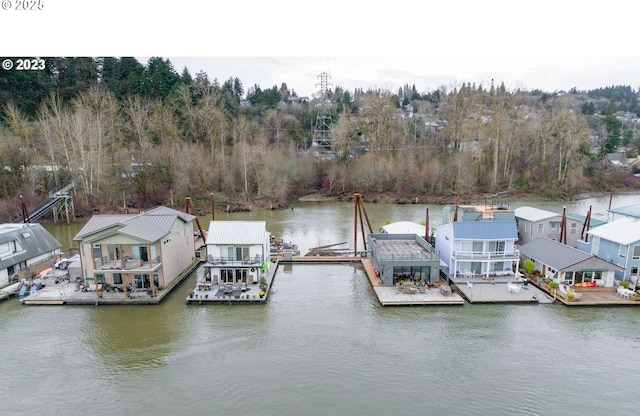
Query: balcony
(485,256)
(127,264)
(218,261)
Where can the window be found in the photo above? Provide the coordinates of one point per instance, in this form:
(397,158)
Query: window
(540,229)
(554,227)
(623,250)
(142,281)
(97,251)
(117,279)
(574,228)
(636,252)
(496,246)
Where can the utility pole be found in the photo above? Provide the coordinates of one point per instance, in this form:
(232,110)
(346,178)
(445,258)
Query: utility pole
(321,133)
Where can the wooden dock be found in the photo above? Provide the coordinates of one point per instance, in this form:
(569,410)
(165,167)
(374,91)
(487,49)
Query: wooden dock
(387,296)
(65,293)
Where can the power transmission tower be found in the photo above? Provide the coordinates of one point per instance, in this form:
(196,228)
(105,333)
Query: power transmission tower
(322,136)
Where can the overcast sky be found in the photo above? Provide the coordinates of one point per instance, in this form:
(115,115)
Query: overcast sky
(548,45)
(426,73)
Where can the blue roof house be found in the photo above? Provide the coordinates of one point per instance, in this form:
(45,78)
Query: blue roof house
(617,242)
(484,248)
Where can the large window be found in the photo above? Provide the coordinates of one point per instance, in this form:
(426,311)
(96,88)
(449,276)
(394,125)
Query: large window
(142,281)
(472,247)
(236,253)
(414,274)
(496,246)
(636,252)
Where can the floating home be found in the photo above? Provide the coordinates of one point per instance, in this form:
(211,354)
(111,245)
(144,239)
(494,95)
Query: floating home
(238,266)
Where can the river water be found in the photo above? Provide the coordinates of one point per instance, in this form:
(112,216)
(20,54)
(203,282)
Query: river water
(321,345)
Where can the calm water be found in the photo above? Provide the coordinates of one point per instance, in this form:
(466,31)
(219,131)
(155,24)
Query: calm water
(331,350)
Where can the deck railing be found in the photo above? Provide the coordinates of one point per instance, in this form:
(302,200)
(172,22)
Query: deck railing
(491,255)
(126,263)
(253,261)
(407,257)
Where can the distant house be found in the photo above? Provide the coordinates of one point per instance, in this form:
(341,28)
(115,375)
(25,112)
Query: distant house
(25,248)
(479,247)
(238,252)
(568,265)
(142,251)
(617,159)
(534,223)
(630,211)
(617,242)
(406,257)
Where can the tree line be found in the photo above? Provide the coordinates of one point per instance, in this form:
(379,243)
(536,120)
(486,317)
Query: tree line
(133,135)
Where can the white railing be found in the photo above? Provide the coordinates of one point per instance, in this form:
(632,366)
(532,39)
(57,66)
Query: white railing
(492,255)
(254,261)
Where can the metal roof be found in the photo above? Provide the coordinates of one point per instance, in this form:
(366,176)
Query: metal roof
(563,257)
(148,226)
(593,222)
(236,232)
(535,214)
(485,230)
(33,238)
(629,210)
(625,230)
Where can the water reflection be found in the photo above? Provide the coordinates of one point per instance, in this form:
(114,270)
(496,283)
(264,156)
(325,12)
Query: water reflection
(129,338)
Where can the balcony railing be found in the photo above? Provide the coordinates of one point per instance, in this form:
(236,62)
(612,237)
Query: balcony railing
(407,257)
(127,264)
(253,261)
(491,255)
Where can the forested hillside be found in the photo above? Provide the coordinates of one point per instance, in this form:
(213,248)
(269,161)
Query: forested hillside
(128,134)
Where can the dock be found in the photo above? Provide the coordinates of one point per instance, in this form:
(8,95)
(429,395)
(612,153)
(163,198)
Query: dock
(508,289)
(213,294)
(388,296)
(66,293)
(9,291)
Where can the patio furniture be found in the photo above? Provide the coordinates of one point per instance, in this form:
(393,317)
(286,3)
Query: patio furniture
(513,288)
(445,290)
(624,292)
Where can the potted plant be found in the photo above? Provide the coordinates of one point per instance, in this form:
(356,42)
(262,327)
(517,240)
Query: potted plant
(553,285)
(263,283)
(261,294)
(570,295)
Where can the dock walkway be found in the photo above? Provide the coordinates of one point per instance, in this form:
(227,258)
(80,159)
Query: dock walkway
(66,293)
